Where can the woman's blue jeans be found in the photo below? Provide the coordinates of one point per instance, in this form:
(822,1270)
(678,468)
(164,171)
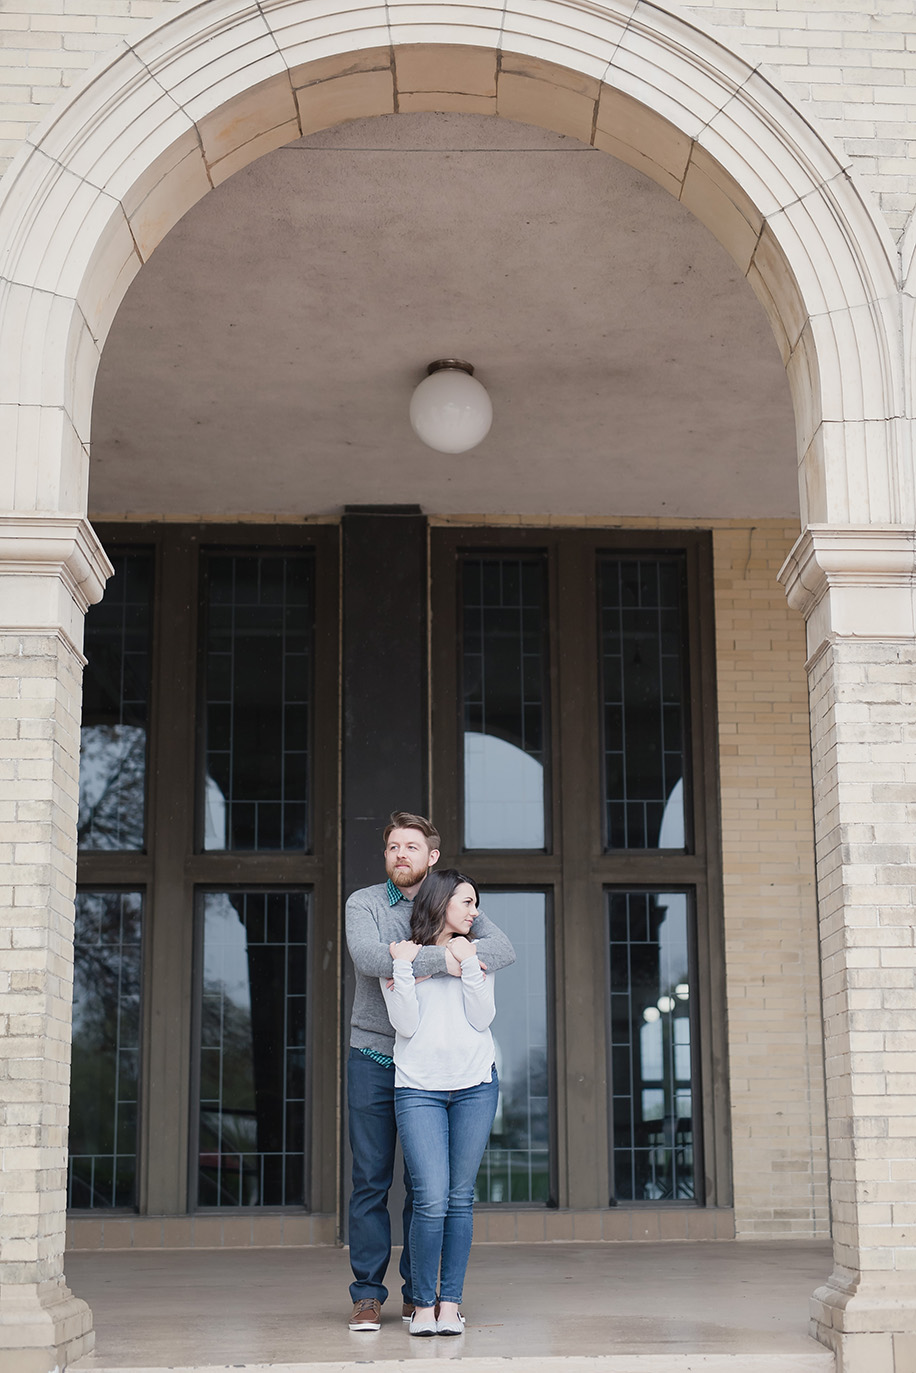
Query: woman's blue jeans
(443,1135)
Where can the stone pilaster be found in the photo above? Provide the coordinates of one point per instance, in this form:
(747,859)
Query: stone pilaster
(50,569)
(863,726)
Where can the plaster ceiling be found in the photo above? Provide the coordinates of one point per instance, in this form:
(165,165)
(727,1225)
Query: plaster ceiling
(262,361)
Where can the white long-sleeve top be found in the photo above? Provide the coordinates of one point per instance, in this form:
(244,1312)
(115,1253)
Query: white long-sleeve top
(442,1038)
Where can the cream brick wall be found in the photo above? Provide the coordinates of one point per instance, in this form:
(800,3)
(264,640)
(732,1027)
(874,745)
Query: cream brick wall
(40,683)
(773,988)
(863,712)
(851,66)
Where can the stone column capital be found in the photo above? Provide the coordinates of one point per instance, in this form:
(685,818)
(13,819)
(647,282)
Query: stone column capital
(52,568)
(853,581)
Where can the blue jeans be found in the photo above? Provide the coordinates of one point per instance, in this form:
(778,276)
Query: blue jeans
(443,1135)
(373,1136)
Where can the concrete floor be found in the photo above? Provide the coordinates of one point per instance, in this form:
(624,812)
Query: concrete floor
(720,1307)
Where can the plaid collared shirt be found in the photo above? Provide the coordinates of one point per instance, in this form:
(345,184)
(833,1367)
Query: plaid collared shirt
(394,894)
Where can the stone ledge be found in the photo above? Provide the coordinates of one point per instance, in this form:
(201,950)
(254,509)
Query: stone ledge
(853,581)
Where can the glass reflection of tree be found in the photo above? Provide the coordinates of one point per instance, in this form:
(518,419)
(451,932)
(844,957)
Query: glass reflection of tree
(112,786)
(244,1114)
(104,1064)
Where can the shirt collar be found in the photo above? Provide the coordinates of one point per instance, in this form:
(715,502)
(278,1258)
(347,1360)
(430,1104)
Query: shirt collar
(394,894)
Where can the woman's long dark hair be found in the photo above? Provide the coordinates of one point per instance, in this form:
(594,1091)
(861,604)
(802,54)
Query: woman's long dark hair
(428,914)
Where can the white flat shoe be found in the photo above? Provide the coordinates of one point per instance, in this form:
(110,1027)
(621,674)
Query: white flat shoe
(423,1325)
(450,1325)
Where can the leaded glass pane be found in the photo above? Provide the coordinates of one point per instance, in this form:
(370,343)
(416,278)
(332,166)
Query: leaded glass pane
(504,643)
(105,1065)
(516,1164)
(653,1089)
(643,701)
(252,1049)
(258,700)
(116,709)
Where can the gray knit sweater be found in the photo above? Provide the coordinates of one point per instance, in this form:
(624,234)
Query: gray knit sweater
(371,926)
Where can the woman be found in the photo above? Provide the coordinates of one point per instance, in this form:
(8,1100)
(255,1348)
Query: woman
(445,1093)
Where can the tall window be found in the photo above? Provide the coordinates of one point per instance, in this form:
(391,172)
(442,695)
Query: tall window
(207,874)
(574,748)
(643,694)
(259,618)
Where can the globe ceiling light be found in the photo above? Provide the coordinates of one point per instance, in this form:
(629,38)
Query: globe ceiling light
(450,410)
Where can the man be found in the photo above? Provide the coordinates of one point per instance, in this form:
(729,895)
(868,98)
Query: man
(376,916)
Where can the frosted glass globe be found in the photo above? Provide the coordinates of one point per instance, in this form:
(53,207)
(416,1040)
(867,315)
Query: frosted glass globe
(450,411)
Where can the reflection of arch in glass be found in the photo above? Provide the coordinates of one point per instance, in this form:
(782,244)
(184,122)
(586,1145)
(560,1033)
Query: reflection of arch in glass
(503,795)
(671,830)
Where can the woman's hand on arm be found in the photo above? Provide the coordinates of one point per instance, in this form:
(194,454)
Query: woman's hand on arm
(404,948)
(460,948)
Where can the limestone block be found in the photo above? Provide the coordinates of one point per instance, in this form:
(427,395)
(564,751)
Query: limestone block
(714,198)
(165,191)
(345,97)
(464,71)
(50,470)
(266,109)
(445,102)
(445,22)
(642,139)
(341,64)
(335,33)
(137,122)
(231,52)
(266,142)
(533,101)
(44,562)
(552,33)
(692,91)
(49,356)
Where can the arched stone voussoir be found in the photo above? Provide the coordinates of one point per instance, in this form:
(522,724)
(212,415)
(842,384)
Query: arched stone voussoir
(62,235)
(50,356)
(432,76)
(133,122)
(222,81)
(859,336)
(849,468)
(581,38)
(46,464)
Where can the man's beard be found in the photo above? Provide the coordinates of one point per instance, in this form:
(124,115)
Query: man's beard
(406,877)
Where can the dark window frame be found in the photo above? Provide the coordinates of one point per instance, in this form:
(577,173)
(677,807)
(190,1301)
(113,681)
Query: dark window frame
(171,868)
(578,868)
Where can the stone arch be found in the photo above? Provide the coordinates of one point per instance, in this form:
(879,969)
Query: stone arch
(163,119)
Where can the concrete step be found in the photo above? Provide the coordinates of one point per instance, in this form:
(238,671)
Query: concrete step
(815,1360)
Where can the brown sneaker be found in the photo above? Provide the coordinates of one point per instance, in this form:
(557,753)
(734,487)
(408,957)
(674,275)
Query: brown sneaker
(367,1314)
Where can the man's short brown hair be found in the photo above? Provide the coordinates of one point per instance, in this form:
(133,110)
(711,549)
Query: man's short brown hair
(403,820)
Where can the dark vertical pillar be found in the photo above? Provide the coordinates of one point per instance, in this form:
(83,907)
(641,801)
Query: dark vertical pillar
(384,700)
(384,679)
